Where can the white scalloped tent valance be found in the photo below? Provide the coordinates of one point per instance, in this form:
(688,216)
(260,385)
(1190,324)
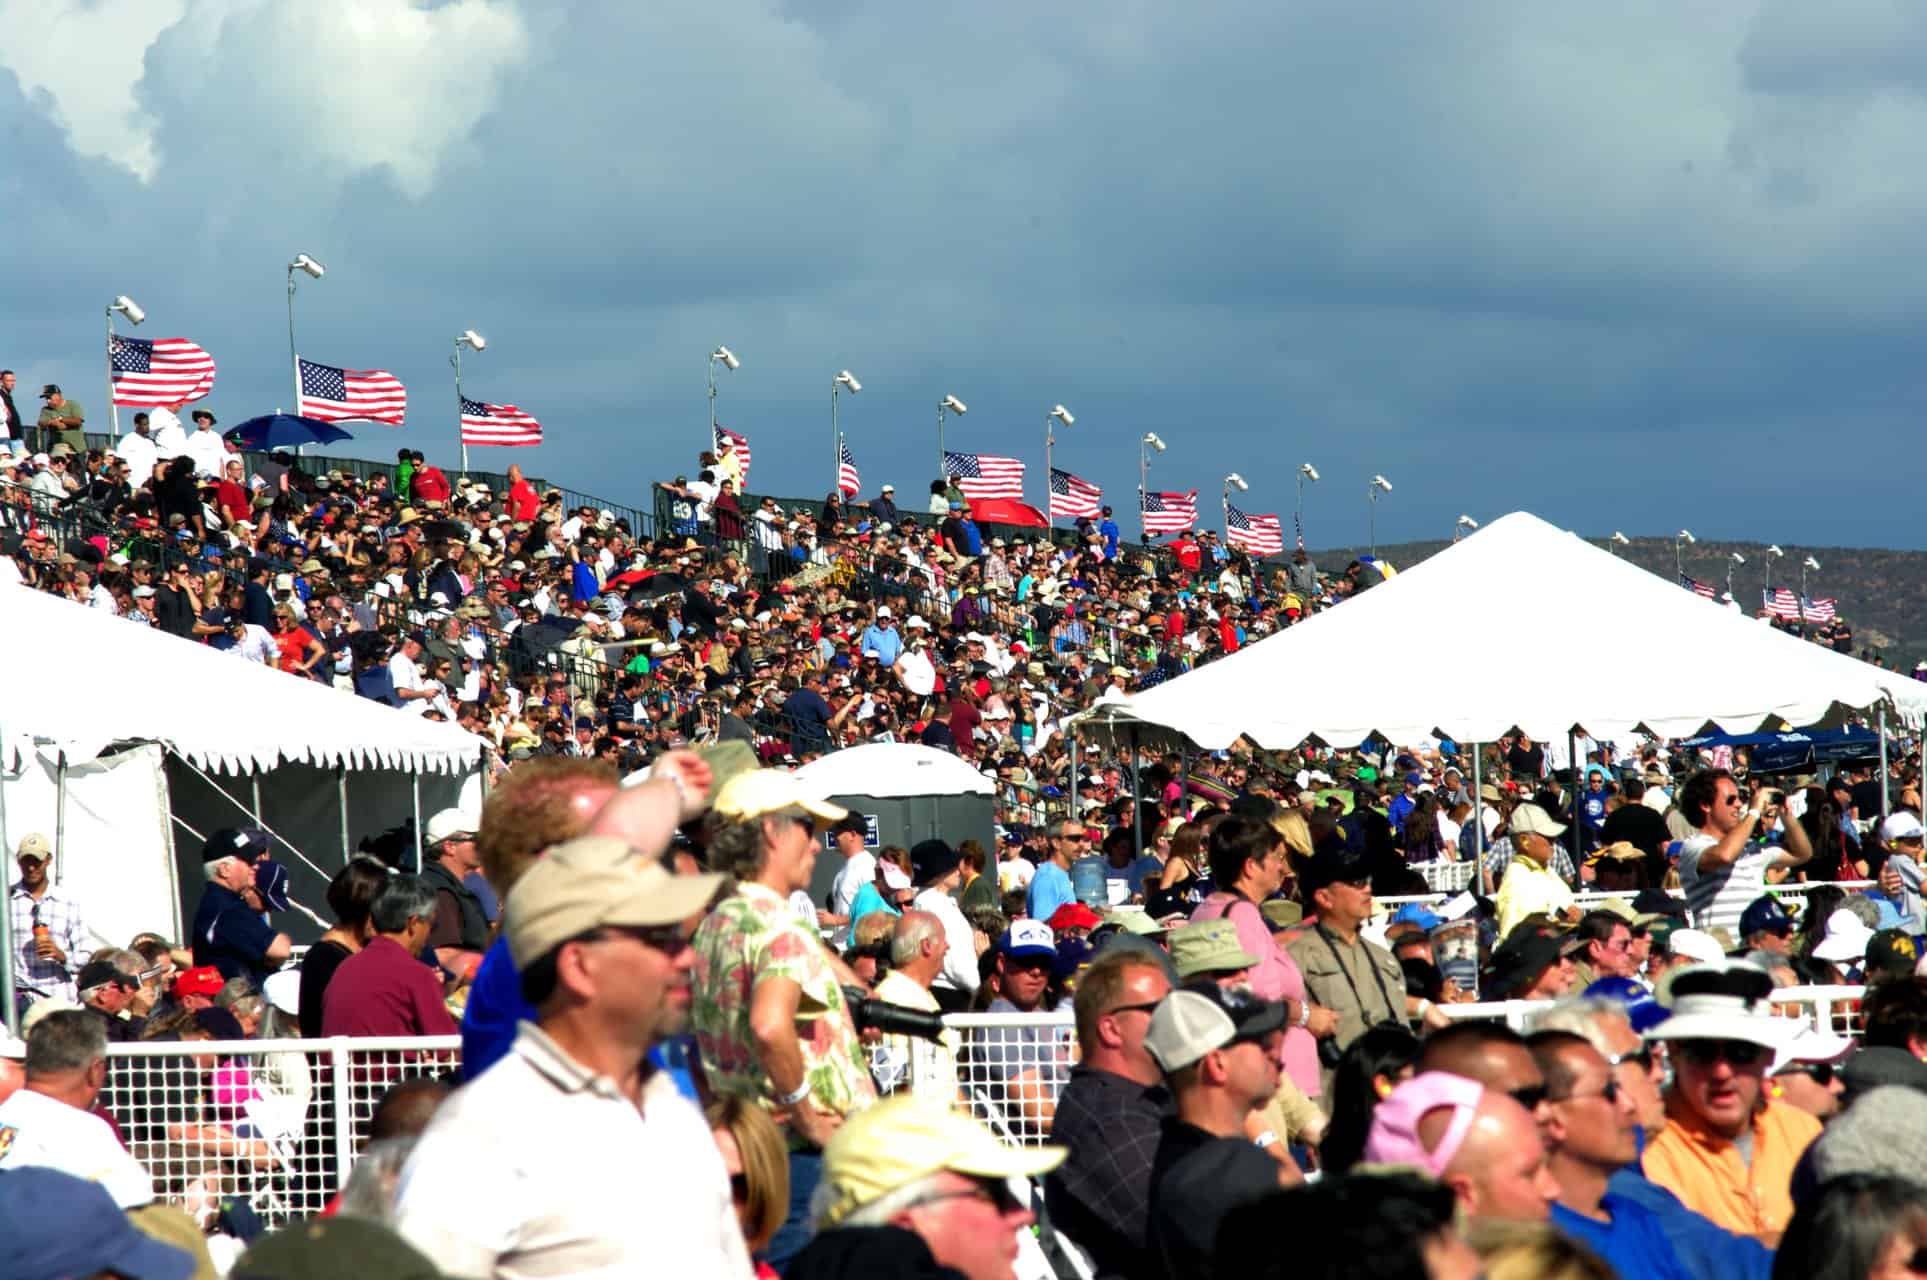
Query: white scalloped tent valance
(83,679)
(1521,625)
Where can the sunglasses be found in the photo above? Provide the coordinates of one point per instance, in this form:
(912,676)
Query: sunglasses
(666,938)
(1145,1006)
(1705,1053)
(1528,1096)
(1822,1073)
(1641,1058)
(1609,1091)
(994,1190)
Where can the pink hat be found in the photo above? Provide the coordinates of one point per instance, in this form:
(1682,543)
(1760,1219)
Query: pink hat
(1394,1134)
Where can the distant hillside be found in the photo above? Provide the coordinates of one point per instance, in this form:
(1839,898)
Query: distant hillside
(1882,593)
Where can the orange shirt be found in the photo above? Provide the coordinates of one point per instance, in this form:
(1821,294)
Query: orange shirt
(1707,1172)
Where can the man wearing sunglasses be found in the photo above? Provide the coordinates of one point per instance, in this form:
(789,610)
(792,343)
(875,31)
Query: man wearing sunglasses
(1723,866)
(1591,1137)
(1729,1151)
(1050,887)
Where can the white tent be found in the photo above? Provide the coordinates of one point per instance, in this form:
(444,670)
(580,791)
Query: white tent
(1520,625)
(894,770)
(118,741)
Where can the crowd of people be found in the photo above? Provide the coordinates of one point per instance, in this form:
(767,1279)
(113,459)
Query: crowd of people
(1205,1029)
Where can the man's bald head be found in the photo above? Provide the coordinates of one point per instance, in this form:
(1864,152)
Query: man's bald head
(1493,1054)
(1500,1168)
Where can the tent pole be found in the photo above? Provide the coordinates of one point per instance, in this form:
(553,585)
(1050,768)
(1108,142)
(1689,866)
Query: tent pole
(415,805)
(341,806)
(1572,800)
(1886,794)
(9,1006)
(1478,811)
(254,784)
(1137,806)
(60,815)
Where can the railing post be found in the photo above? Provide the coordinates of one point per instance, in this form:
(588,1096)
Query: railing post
(338,1061)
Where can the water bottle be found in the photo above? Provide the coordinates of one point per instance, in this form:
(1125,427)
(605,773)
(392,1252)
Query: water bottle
(1088,881)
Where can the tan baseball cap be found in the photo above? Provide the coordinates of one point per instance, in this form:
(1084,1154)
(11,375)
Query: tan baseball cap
(36,846)
(593,881)
(761,791)
(908,1137)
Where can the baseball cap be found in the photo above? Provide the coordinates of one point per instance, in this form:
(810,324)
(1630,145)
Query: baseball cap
(931,860)
(36,846)
(1891,953)
(762,791)
(1394,1136)
(1073,915)
(1642,1009)
(592,881)
(203,980)
(451,822)
(1696,945)
(1765,913)
(1194,1021)
(1208,946)
(1901,826)
(245,843)
(1028,938)
(904,1138)
(1533,820)
(98,973)
(1416,913)
(1335,866)
(323,1248)
(283,990)
(58,1225)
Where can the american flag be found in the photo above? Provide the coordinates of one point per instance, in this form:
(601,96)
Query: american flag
(1821,610)
(164,371)
(500,424)
(1697,587)
(847,480)
(1169,512)
(985,475)
(1260,535)
(329,394)
(1781,602)
(1072,498)
(738,442)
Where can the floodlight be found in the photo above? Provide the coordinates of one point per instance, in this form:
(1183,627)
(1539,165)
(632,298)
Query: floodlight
(728,357)
(1058,412)
(1308,471)
(1813,564)
(848,379)
(1621,538)
(470,338)
(1686,536)
(1237,481)
(1151,438)
(1380,482)
(1467,522)
(1738,558)
(302,262)
(129,308)
(1773,552)
(954,405)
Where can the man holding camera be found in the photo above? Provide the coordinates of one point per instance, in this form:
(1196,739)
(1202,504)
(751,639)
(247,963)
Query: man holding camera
(1723,866)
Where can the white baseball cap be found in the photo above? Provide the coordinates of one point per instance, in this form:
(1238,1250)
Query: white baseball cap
(1901,826)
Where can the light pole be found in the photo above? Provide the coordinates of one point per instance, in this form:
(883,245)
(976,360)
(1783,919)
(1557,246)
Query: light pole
(1735,559)
(958,407)
(1378,485)
(1808,563)
(1234,480)
(1683,536)
(1773,553)
(1305,472)
(1617,540)
(128,307)
(841,381)
(1058,413)
(475,342)
(314,271)
(1463,525)
(1149,442)
(727,358)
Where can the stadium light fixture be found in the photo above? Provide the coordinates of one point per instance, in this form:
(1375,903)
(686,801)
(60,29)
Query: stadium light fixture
(314,271)
(1058,412)
(471,339)
(950,404)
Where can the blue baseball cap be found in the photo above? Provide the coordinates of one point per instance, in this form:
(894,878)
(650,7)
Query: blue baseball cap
(1642,1009)
(1765,914)
(1028,939)
(57,1225)
(1416,913)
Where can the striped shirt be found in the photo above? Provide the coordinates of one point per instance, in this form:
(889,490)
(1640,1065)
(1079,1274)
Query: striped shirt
(1718,898)
(61,917)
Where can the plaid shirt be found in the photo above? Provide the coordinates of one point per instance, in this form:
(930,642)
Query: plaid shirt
(1498,856)
(61,917)
(1100,1196)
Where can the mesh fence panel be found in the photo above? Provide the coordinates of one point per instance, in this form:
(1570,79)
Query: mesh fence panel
(276,1124)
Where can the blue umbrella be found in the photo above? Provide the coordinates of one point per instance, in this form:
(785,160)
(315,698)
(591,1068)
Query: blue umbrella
(279,430)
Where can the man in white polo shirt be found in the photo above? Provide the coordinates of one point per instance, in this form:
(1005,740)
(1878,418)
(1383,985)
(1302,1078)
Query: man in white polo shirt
(48,1123)
(1723,865)
(572,1156)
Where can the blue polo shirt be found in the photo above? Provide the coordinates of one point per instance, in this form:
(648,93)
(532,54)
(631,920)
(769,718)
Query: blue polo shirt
(1634,1242)
(231,936)
(1050,889)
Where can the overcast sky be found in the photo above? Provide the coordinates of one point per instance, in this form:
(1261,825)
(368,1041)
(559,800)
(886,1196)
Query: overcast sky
(1640,265)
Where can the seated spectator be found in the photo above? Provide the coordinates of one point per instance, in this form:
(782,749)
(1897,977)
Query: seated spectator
(1480,1143)
(329,1246)
(1375,1064)
(384,989)
(1023,1066)
(57,1226)
(50,1121)
(1389,1226)
(108,992)
(758,1167)
(1856,1227)
(1513,1250)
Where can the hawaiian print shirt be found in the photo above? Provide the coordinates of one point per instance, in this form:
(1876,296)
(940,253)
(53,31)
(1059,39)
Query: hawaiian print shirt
(752,935)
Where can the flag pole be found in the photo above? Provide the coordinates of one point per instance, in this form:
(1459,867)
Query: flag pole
(460,435)
(836,441)
(1050,521)
(113,408)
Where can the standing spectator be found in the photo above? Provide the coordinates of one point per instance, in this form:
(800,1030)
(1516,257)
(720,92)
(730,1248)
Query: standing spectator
(51,1123)
(1343,970)
(1729,1150)
(935,872)
(350,894)
(600,937)
(48,935)
(1222,1052)
(384,989)
(13,429)
(460,932)
(1723,865)
(1592,1136)
(1481,1143)
(763,980)
(230,932)
(1110,1115)
(1050,887)
(413,690)
(61,421)
(918,949)
(521,499)
(858,869)
(205,448)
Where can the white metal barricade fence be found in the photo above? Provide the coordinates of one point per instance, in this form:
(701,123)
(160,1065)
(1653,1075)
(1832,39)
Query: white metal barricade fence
(1437,873)
(276,1123)
(1834,1009)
